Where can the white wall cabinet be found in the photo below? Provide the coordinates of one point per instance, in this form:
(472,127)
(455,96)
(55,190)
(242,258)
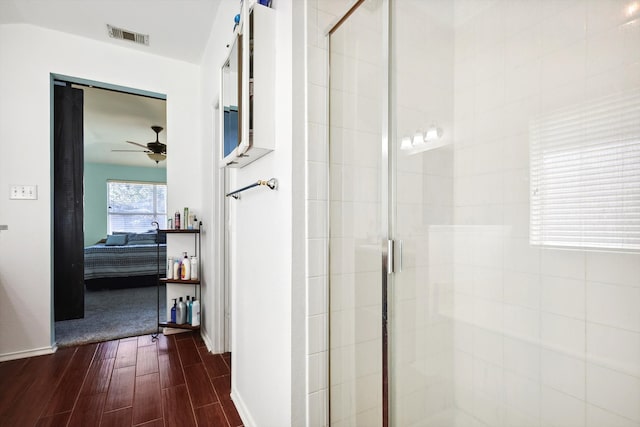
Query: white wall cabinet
(248,90)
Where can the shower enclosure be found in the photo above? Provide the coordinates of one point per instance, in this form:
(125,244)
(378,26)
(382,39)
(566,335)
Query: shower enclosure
(484,231)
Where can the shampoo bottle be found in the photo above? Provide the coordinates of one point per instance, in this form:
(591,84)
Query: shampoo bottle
(188,310)
(170,268)
(195,312)
(194,268)
(181,312)
(186,268)
(176,220)
(176,269)
(173,311)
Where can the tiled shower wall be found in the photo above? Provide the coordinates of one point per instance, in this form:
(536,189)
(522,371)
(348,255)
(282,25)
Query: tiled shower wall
(543,336)
(321,14)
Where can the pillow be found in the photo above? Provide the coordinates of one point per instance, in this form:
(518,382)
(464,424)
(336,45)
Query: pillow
(141,239)
(142,242)
(116,240)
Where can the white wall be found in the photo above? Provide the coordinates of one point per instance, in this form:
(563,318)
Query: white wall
(28,55)
(264,348)
(214,55)
(261,224)
(261,306)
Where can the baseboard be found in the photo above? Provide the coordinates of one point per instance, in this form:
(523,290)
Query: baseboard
(206,339)
(28,353)
(245,415)
(173,331)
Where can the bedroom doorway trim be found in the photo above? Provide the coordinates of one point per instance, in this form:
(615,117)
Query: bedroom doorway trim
(75,174)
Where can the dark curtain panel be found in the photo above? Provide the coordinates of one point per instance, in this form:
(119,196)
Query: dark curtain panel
(68,165)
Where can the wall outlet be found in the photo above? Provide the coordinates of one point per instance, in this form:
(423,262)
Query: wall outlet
(24,192)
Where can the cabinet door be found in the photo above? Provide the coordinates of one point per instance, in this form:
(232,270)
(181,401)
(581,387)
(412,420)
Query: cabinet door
(231,96)
(259,83)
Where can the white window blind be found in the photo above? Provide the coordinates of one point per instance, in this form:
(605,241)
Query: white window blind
(585,175)
(133,206)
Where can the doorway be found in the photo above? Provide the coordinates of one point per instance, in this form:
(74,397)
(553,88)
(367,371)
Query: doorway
(119,302)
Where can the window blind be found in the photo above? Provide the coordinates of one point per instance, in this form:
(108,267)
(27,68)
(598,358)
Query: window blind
(585,175)
(133,206)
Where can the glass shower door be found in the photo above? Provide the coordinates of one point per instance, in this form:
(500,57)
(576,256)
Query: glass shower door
(515,194)
(420,301)
(358,221)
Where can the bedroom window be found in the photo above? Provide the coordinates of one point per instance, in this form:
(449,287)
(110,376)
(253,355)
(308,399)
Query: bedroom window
(133,206)
(585,175)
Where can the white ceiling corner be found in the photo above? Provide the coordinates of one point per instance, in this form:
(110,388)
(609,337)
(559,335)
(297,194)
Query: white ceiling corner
(177,29)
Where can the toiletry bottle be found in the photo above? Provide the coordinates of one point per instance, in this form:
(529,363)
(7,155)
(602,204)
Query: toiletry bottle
(186,268)
(170,268)
(176,269)
(185,218)
(188,303)
(181,312)
(194,267)
(173,310)
(176,221)
(195,312)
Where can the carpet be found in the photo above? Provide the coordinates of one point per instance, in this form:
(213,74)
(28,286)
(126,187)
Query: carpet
(113,314)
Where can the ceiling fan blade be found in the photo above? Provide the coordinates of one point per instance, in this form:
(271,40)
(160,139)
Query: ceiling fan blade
(139,145)
(130,151)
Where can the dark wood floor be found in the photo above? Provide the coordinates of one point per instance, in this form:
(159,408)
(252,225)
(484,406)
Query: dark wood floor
(173,381)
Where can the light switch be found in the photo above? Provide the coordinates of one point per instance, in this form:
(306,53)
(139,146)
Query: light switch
(24,192)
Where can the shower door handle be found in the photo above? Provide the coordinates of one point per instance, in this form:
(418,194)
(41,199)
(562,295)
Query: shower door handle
(390,256)
(392,263)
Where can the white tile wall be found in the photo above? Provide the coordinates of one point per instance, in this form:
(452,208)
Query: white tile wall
(559,409)
(614,305)
(614,391)
(614,268)
(563,333)
(563,372)
(570,317)
(615,348)
(597,416)
(563,296)
(522,358)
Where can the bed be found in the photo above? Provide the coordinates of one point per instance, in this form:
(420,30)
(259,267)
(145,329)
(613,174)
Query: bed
(124,257)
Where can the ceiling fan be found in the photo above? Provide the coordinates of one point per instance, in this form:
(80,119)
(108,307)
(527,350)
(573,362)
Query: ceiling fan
(156,150)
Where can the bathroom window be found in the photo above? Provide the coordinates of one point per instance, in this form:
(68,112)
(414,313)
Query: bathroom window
(133,206)
(585,175)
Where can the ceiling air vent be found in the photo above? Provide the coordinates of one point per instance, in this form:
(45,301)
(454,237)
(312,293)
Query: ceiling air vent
(119,33)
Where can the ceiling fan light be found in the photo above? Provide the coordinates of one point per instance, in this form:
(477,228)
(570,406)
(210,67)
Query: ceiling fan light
(157,157)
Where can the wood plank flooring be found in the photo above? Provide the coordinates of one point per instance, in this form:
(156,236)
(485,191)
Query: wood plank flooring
(173,381)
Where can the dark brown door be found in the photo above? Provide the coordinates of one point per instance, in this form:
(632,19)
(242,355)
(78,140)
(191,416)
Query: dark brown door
(68,173)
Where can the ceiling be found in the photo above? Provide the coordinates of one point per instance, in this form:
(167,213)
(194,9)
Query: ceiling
(113,118)
(177,29)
